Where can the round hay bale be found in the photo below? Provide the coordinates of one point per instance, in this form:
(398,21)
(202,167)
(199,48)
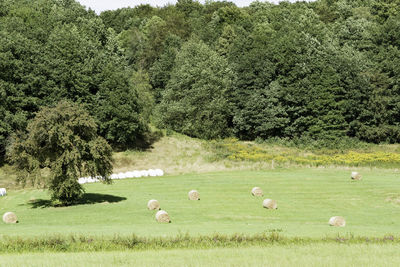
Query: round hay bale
(10,217)
(153,205)
(194,195)
(114,176)
(337,221)
(355,176)
(256,191)
(270,204)
(162,216)
(144,173)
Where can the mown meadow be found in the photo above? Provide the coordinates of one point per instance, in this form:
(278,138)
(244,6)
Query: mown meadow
(228,226)
(307,198)
(112,225)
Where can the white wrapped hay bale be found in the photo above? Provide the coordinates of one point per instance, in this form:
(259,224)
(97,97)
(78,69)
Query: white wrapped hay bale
(162,216)
(137,174)
(82,180)
(159,172)
(194,195)
(10,217)
(355,176)
(337,221)
(270,204)
(129,175)
(121,175)
(152,172)
(153,205)
(114,176)
(144,173)
(256,191)
(3,192)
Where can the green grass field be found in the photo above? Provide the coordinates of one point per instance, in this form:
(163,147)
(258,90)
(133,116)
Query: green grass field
(228,227)
(307,198)
(307,255)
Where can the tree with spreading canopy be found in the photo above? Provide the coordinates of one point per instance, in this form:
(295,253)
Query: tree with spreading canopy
(63,139)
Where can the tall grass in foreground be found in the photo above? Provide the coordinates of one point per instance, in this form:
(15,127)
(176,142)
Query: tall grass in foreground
(273,255)
(80,243)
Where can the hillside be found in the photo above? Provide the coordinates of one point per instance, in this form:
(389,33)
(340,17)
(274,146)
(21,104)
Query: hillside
(178,154)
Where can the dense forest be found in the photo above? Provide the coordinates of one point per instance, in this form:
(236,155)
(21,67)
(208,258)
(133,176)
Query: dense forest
(328,69)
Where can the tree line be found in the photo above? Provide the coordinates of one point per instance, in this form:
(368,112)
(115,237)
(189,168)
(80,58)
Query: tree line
(327,69)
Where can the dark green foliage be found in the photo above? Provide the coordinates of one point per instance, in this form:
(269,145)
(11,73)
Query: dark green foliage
(53,50)
(72,58)
(123,18)
(320,70)
(63,139)
(290,53)
(119,109)
(160,72)
(262,116)
(196,99)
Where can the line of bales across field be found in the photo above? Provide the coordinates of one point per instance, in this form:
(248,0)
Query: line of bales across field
(124,175)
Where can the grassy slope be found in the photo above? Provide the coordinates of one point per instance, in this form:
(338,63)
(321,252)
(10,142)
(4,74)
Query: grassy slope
(307,255)
(179,154)
(307,198)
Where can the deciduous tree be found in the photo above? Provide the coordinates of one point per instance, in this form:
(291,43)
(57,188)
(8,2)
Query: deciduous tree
(63,139)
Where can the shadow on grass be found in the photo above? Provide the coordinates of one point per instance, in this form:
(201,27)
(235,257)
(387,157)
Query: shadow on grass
(88,198)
